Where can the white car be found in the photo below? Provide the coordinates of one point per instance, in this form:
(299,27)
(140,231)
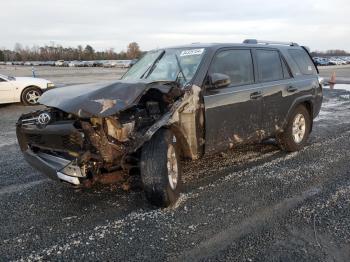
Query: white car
(22,89)
(59,63)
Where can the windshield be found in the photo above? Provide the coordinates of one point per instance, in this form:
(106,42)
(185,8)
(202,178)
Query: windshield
(178,64)
(7,77)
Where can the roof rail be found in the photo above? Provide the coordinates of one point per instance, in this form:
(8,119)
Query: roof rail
(255,41)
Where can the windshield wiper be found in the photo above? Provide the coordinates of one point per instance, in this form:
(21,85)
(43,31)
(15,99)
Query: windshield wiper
(180,69)
(152,66)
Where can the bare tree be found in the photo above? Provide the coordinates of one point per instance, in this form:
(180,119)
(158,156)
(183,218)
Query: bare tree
(89,53)
(133,50)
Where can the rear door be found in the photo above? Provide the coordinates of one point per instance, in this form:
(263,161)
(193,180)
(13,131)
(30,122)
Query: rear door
(7,91)
(276,81)
(232,113)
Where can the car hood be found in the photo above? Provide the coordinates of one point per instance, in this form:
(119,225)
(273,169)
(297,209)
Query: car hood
(31,80)
(101,99)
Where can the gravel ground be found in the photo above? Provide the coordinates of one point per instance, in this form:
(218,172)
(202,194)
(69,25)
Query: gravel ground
(254,203)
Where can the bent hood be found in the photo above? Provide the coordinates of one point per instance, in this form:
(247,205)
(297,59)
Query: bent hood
(101,99)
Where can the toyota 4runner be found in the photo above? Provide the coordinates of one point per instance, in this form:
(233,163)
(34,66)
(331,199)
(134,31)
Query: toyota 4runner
(174,103)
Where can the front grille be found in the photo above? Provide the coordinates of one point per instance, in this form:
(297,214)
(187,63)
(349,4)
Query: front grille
(29,121)
(72,142)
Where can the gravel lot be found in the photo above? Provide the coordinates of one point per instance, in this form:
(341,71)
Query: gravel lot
(250,204)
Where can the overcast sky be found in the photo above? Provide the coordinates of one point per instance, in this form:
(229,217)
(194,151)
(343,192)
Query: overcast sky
(105,24)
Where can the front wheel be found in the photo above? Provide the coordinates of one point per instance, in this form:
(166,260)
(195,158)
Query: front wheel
(161,169)
(297,130)
(31,95)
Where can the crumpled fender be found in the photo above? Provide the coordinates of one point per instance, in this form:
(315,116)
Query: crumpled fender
(189,104)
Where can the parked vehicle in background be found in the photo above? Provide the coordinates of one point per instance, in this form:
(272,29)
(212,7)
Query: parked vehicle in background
(59,63)
(342,60)
(332,61)
(180,102)
(123,63)
(109,64)
(73,63)
(133,62)
(99,63)
(335,60)
(22,89)
(320,61)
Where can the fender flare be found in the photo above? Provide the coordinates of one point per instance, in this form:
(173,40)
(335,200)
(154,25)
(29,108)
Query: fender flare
(306,99)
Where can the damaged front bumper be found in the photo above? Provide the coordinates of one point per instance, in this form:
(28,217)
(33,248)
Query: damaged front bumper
(55,167)
(73,150)
(54,149)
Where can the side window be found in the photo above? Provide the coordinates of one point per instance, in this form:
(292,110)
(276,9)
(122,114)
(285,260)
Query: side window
(237,64)
(269,65)
(302,59)
(2,80)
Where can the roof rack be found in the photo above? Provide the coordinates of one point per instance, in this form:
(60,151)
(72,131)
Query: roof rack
(255,41)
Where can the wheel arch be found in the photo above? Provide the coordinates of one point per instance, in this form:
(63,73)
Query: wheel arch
(306,101)
(24,89)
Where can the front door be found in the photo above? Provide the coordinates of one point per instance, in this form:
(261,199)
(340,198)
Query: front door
(232,113)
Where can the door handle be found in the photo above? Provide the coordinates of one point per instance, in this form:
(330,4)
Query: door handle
(256,95)
(292,89)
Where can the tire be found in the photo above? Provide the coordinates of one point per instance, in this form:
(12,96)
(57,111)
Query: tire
(30,96)
(160,190)
(293,141)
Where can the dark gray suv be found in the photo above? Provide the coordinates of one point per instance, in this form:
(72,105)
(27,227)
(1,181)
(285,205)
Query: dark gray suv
(174,103)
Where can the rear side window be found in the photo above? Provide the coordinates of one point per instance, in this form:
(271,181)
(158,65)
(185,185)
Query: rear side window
(237,64)
(303,61)
(269,65)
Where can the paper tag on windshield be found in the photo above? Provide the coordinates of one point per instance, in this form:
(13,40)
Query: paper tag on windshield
(192,52)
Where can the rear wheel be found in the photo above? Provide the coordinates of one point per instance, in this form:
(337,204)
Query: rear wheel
(297,130)
(161,169)
(31,95)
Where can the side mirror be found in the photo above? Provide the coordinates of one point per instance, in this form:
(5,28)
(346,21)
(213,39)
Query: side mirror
(218,80)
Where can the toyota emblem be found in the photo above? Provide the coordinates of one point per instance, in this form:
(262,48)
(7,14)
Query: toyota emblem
(44,118)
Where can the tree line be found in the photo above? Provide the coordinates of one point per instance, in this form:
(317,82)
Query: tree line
(333,52)
(57,52)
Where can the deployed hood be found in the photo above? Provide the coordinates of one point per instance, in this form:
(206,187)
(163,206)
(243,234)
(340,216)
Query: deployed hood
(101,99)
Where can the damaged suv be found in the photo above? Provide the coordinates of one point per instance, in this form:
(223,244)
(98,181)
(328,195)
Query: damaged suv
(174,103)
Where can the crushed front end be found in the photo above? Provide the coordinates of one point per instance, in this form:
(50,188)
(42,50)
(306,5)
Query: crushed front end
(81,148)
(81,151)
